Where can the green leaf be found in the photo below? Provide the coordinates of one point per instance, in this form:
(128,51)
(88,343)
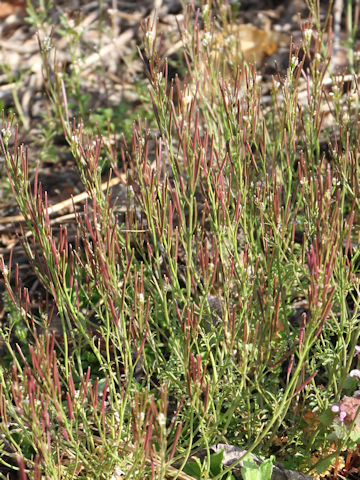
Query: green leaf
(196,469)
(355,434)
(350,384)
(250,471)
(216,463)
(266,469)
(327,417)
(324,464)
(193,469)
(339,430)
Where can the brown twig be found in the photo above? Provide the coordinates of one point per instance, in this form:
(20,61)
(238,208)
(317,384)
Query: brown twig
(68,202)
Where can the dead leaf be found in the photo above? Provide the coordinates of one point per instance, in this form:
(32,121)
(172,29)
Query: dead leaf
(9,8)
(311,420)
(246,42)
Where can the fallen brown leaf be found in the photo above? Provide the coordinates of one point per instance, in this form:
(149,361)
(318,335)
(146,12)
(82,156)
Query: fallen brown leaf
(8,8)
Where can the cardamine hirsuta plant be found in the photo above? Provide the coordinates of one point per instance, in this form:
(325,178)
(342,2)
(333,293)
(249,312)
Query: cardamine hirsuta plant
(207,289)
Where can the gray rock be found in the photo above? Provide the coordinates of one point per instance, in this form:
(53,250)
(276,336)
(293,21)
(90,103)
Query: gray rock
(232,455)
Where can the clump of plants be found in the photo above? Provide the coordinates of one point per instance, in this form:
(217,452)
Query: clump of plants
(180,325)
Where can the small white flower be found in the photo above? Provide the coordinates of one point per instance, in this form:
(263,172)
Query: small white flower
(46,44)
(230,39)
(161,419)
(150,36)
(118,473)
(294,61)
(206,39)
(6,133)
(206,9)
(354,96)
(308,34)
